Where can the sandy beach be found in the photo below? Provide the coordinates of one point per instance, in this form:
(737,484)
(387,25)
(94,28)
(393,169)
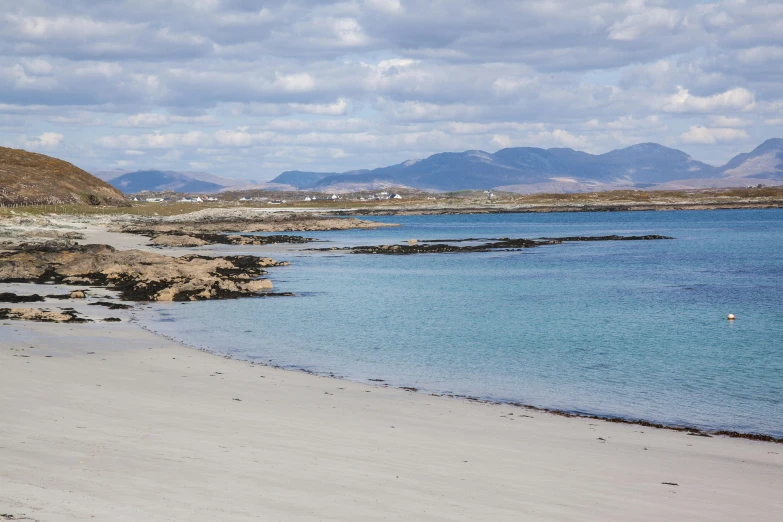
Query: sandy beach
(108,421)
(111,422)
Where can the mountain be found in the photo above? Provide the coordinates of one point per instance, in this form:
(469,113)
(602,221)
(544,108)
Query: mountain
(528,169)
(765,162)
(157,180)
(131,182)
(31,178)
(298,178)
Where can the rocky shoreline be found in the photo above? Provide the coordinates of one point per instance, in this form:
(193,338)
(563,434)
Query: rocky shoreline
(138,275)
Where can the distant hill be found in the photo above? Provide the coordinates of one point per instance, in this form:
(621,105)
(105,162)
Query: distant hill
(131,182)
(297,178)
(156,180)
(31,178)
(527,169)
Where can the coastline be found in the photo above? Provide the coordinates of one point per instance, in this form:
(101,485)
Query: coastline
(145,427)
(375,383)
(116,422)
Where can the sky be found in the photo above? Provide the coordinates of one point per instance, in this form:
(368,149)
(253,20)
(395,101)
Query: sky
(249,89)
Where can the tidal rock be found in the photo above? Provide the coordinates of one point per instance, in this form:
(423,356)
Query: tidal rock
(140,276)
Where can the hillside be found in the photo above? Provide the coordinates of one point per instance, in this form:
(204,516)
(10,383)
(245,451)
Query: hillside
(31,178)
(528,170)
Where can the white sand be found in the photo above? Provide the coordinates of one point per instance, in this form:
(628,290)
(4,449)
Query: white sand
(147,430)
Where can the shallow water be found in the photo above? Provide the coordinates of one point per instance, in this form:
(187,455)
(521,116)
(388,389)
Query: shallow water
(634,329)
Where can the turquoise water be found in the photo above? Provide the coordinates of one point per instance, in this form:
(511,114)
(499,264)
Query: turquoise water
(627,329)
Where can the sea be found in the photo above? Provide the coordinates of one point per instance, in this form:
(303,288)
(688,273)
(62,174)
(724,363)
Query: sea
(635,330)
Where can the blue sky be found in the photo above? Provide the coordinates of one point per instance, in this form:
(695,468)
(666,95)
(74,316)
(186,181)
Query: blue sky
(248,89)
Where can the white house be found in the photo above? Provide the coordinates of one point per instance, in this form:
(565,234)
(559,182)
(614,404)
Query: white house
(308,198)
(395,196)
(334,196)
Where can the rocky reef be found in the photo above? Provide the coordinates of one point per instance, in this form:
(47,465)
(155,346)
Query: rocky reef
(237,227)
(445,246)
(138,275)
(194,239)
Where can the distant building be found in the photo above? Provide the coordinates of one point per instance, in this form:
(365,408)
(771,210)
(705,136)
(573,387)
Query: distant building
(334,196)
(395,196)
(154,200)
(308,198)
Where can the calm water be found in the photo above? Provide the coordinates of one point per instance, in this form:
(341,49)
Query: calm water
(628,329)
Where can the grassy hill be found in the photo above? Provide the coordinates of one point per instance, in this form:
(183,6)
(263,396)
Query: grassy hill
(27,178)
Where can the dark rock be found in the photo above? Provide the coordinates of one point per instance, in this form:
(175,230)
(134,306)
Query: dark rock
(112,306)
(8,297)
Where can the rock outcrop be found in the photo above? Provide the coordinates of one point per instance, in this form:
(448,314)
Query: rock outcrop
(137,275)
(41,315)
(194,239)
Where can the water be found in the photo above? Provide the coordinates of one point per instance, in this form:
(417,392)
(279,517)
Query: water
(628,329)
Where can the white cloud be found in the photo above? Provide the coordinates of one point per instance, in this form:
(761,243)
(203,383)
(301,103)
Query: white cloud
(337,108)
(698,134)
(564,138)
(157,120)
(738,98)
(47,140)
(294,82)
(647,22)
(144,120)
(725,121)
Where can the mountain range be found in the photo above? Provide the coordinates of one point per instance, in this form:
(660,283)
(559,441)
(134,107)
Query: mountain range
(131,182)
(527,169)
(518,169)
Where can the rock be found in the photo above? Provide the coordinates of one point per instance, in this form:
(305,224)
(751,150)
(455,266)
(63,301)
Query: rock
(413,242)
(168,240)
(41,315)
(443,246)
(257,285)
(77,294)
(9,297)
(141,276)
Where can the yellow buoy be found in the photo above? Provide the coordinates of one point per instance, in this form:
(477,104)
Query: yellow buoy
(731,317)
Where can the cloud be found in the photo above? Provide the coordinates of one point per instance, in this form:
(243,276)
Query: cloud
(725,121)
(651,21)
(157,120)
(252,89)
(737,99)
(294,82)
(698,134)
(47,140)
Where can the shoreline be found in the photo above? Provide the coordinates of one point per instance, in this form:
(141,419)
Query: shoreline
(682,428)
(123,424)
(115,421)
